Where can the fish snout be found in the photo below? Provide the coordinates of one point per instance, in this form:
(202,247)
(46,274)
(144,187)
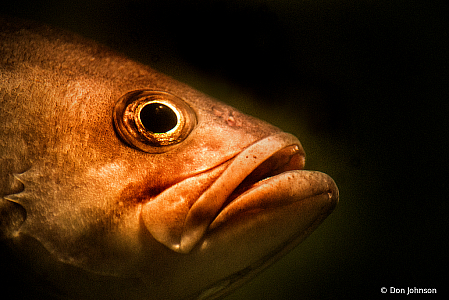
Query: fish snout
(265,175)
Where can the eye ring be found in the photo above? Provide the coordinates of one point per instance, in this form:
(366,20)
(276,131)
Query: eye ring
(153,121)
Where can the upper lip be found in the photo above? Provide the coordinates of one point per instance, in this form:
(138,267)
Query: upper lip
(286,159)
(270,156)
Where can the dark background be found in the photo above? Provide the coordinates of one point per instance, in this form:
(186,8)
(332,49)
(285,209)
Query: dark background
(365,86)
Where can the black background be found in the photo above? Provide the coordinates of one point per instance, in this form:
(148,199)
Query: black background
(365,86)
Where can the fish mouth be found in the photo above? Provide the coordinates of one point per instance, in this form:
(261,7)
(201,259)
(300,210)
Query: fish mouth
(267,174)
(284,160)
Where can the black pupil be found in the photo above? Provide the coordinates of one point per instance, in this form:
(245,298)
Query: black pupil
(158,118)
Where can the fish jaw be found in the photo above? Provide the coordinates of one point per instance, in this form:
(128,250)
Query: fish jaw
(262,225)
(264,176)
(287,188)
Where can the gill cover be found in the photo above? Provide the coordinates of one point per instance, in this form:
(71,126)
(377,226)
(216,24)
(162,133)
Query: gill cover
(153,121)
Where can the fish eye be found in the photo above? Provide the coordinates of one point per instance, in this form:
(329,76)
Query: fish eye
(158,117)
(152,121)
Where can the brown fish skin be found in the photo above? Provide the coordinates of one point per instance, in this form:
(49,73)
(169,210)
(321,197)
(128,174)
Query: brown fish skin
(99,218)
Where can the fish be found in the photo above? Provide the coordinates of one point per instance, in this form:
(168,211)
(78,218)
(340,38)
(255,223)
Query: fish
(119,182)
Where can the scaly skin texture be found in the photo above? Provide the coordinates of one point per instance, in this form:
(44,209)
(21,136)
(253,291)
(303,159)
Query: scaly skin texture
(75,196)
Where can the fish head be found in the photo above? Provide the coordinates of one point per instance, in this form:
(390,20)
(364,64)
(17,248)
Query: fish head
(122,172)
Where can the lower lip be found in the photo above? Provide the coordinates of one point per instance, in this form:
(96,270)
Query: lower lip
(250,241)
(262,233)
(281,190)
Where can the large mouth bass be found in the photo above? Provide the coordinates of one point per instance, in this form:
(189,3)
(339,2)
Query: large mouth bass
(118,182)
